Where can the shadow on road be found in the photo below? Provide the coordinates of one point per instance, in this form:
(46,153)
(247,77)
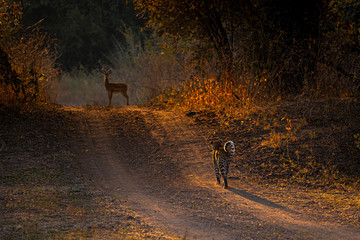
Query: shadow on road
(259,200)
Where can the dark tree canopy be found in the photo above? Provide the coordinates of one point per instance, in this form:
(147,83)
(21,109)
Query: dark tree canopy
(226,25)
(85,30)
(288,41)
(207,21)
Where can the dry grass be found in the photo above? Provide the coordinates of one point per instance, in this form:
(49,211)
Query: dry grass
(310,146)
(313,144)
(81,88)
(33,60)
(147,74)
(305,144)
(307,147)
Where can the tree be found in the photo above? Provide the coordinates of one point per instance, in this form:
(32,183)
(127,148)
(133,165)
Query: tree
(341,54)
(209,22)
(231,27)
(10,16)
(27,59)
(85,29)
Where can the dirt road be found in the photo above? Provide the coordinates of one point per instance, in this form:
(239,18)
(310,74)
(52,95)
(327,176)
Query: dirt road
(160,161)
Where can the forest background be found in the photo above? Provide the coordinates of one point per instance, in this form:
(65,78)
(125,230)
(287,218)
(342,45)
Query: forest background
(280,78)
(197,54)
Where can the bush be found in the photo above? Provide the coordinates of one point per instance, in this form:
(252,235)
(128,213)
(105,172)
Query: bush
(27,61)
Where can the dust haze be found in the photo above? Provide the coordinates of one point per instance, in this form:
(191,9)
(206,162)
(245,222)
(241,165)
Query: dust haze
(81,88)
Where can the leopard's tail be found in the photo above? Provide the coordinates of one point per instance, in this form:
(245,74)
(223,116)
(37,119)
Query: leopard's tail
(230,148)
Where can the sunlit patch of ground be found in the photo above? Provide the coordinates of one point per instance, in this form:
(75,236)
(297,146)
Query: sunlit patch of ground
(294,159)
(305,151)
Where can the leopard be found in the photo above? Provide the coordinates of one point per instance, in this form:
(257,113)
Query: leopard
(222,155)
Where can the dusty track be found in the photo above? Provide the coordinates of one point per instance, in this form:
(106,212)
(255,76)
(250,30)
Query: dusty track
(161,162)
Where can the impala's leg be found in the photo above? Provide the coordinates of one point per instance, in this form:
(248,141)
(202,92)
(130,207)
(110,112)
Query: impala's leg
(110,96)
(127,97)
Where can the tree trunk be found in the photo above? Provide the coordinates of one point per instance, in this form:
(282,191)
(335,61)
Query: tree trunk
(218,36)
(7,74)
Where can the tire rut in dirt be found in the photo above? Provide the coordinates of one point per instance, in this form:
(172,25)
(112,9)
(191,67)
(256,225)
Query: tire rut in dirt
(211,204)
(175,168)
(162,164)
(155,163)
(121,157)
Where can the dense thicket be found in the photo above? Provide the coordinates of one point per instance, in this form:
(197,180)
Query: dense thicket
(287,46)
(85,30)
(262,47)
(27,61)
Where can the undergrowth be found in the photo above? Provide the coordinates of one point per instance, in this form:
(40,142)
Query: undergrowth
(306,142)
(27,61)
(208,94)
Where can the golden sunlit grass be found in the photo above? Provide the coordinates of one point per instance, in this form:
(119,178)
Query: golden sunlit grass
(203,93)
(229,99)
(296,133)
(208,94)
(294,143)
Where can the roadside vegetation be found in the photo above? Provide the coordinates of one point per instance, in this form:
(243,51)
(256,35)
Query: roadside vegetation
(285,89)
(27,57)
(280,80)
(293,90)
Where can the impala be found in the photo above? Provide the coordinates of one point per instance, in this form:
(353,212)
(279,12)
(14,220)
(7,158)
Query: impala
(114,87)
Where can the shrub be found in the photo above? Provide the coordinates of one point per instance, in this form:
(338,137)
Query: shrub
(27,62)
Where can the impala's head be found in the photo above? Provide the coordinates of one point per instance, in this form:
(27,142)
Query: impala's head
(106,73)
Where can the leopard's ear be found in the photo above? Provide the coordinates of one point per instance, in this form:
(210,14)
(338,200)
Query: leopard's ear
(211,142)
(221,141)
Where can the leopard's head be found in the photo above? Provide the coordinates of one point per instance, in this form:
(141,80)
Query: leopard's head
(216,145)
